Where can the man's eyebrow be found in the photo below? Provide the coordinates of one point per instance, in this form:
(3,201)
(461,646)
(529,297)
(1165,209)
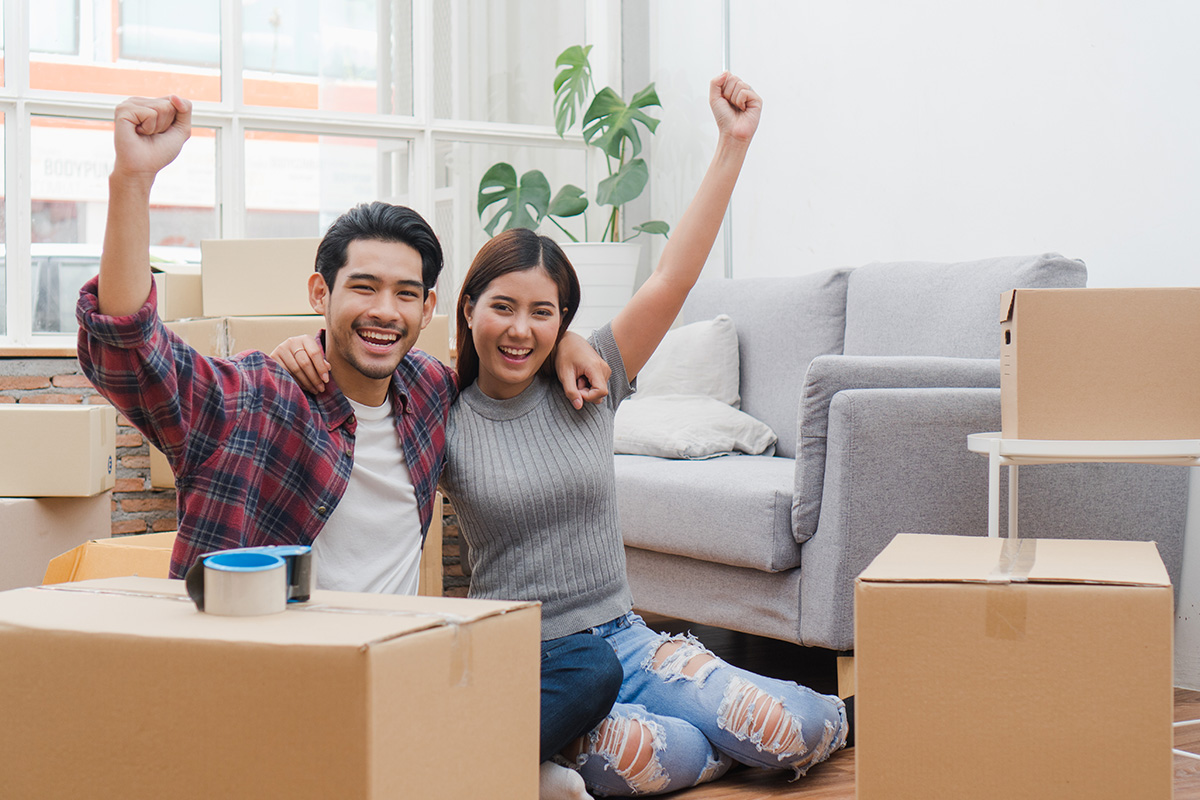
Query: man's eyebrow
(367,276)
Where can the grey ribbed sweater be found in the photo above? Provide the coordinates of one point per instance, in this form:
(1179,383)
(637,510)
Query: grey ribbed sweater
(533,486)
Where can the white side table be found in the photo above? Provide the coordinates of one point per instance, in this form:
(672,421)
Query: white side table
(1012,453)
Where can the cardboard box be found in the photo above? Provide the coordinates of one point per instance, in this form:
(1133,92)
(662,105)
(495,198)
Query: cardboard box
(179,292)
(147,555)
(1110,364)
(257,277)
(34,530)
(1014,668)
(161,476)
(223,337)
(57,450)
(348,696)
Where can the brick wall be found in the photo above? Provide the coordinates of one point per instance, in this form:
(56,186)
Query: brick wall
(136,507)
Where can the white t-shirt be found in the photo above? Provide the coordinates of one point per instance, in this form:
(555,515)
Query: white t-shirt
(372,540)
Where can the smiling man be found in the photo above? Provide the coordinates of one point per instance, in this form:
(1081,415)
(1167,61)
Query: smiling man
(351,470)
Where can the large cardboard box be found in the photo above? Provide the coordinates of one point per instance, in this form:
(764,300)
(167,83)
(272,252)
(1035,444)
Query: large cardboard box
(222,337)
(179,293)
(1013,668)
(57,450)
(257,277)
(1109,364)
(147,555)
(121,689)
(34,530)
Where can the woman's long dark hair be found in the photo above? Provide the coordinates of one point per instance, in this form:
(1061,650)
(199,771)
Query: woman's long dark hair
(512,251)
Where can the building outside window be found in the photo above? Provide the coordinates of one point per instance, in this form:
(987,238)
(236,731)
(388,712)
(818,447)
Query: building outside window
(303,108)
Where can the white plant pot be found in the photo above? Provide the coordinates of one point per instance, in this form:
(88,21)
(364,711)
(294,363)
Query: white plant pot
(606,273)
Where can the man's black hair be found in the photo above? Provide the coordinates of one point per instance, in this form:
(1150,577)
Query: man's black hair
(381,222)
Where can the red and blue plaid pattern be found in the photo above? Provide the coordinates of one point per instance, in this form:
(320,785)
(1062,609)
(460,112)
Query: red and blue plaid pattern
(257,461)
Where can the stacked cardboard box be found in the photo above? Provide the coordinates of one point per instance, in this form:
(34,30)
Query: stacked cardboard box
(1107,364)
(147,555)
(56,479)
(349,696)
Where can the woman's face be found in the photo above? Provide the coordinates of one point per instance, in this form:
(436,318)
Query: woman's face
(514,325)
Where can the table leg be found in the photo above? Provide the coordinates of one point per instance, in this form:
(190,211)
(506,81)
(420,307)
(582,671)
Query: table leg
(1012,502)
(994,489)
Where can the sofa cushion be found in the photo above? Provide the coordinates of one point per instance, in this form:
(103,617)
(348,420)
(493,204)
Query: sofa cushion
(782,324)
(700,359)
(918,308)
(681,426)
(731,510)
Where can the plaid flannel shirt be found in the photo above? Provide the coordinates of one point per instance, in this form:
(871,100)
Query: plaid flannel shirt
(257,461)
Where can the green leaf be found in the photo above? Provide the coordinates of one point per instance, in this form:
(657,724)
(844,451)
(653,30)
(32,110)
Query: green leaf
(499,185)
(569,202)
(571,85)
(653,226)
(609,120)
(626,184)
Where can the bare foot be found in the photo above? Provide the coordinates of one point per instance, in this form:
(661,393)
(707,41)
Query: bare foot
(559,783)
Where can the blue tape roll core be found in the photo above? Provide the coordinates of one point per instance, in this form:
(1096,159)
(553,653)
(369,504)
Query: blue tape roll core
(243,562)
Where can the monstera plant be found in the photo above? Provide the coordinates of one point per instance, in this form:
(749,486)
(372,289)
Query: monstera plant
(608,124)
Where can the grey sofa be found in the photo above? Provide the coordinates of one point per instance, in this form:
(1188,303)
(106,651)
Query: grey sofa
(872,378)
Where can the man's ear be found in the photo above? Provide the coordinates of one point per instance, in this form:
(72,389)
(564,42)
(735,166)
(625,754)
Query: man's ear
(318,292)
(430,305)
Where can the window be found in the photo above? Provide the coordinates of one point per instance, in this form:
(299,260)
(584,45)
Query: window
(302,109)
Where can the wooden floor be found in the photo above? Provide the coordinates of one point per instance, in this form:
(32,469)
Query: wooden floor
(834,780)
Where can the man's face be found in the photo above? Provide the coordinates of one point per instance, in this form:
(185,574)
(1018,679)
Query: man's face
(373,314)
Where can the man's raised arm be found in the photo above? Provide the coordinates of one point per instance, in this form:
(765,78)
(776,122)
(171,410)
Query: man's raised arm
(149,133)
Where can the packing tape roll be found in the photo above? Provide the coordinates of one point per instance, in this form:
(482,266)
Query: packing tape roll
(244,584)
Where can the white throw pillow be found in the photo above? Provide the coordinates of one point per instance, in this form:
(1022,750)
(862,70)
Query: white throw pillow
(679,426)
(700,359)
(687,400)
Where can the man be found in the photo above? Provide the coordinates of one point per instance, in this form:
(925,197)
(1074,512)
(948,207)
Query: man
(257,460)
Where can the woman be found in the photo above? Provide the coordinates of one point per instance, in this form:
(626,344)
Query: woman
(532,482)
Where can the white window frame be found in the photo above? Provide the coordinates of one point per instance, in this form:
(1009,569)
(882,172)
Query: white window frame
(231,118)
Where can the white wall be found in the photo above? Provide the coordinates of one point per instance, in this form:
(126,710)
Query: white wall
(942,130)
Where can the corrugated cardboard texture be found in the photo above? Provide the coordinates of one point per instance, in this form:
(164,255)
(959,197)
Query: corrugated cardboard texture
(1013,690)
(257,277)
(35,530)
(147,555)
(350,696)
(1109,364)
(65,450)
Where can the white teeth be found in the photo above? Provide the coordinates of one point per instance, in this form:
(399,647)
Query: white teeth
(513,351)
(379,338)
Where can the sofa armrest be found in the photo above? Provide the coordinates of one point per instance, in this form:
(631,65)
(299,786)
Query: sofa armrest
(829,375)
(898,462)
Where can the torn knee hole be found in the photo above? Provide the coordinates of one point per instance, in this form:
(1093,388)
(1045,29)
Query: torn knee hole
(630,746)
(681,656)
(750,713)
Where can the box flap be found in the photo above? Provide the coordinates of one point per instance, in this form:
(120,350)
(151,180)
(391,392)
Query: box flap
(160,608)
(931,558)
(169,268)
(1006,305)
(148,555)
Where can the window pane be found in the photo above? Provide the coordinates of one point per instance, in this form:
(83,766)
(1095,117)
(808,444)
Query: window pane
(332,55)
(459,167)
(494,59)
(70,160)
(132,47)
(297,185)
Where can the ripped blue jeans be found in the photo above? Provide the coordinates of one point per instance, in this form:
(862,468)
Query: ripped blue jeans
(683,716)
